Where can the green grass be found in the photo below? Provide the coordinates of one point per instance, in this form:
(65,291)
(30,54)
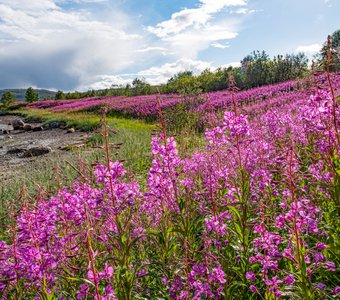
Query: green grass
(80,120)
(39,174)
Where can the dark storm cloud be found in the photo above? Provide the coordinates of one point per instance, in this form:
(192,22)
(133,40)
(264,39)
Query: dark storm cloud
(43,72)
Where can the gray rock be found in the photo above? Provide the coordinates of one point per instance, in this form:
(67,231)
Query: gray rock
(38,128)
(18,124)
(57,124)
(15,151)
(70,130)
(37,151)
(27,127)
(6,131)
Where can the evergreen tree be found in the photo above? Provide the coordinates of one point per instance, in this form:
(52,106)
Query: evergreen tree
(335,52)
(7,98)
(59,95)
(31,95)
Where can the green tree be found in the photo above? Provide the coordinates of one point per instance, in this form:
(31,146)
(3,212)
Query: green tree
(180,75)
(31,95)
(127,90)
(290,66)
(187,86)
(73,95)
(335,52)
(208,80)
(178,82)
(256,68)
(59,95)
(141,87)
(7,98)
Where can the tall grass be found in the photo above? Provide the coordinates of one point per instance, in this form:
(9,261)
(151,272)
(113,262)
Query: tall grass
(80,120)
(133,135)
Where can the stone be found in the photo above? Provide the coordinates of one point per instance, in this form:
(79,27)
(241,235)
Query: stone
(57,124)
(18,124)
(70,130)
(6,131)
(15,151)
(27,127)
(37,151)
(38,128)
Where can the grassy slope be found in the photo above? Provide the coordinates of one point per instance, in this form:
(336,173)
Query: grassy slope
(40,174)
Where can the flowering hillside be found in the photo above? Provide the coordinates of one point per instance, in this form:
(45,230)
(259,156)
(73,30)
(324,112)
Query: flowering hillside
(146,106)
(253,216)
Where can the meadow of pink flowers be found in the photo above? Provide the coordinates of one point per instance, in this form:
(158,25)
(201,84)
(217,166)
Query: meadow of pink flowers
(147,106)
(253,216)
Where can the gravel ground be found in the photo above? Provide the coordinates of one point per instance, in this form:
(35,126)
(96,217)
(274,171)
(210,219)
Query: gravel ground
(57,139)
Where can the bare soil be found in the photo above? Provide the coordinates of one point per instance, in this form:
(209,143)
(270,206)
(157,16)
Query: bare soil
(56,138)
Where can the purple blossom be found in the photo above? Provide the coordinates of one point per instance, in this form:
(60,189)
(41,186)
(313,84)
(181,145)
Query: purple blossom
(253,289)
(320,286)
(251,276)
(289,279)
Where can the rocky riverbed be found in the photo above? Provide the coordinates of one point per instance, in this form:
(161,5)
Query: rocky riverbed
(22,146)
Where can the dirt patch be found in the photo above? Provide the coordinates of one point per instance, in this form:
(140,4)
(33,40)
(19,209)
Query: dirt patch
(15,143)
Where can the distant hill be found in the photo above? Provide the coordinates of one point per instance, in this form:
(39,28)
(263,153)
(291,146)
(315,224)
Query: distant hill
(20,93)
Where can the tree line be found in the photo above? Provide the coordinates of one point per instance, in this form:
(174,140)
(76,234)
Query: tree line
(8,98)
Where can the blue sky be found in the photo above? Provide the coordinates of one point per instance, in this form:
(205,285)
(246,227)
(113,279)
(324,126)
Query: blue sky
(83,44)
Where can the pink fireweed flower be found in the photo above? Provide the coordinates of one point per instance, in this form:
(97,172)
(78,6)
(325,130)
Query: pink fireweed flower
(219,274)
(236,125)
(83,291)
(103,173)
(320,246)
(330,266)
(107,273)
(216,223)
(253,289)
(320,286)
(289,279)
(90,275)
(251,276)
(109,293)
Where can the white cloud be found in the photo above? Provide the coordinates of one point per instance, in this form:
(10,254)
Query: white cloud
(157,75)
(190,31)
(219,45)
(243,11)
(33,7)
(105,82)
(83,1)
(150,49)
(309,49)
(39,31)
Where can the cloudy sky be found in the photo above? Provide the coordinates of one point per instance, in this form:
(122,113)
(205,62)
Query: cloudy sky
(83,44)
